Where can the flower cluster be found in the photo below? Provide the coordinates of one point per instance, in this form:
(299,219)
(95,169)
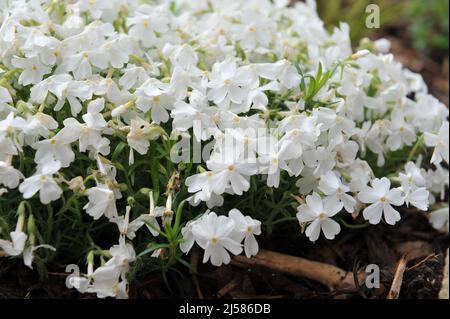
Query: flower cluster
(94,95)
(219,235)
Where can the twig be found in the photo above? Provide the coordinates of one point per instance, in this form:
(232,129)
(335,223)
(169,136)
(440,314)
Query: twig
(394,292)
(194,262)
(227,288)
(433,255)
(443,293)
(57,274)
(326,274)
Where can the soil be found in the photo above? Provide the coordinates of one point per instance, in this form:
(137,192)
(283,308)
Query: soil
(382,245)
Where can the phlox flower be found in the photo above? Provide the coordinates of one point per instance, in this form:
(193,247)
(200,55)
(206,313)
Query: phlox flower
(331,185)
(245,229)
(440,144)
(33,69)
(16,246)
(381,197)
(213,234)
(9,176)
(43,183)
(228,83)
(439,218)
(56,148)
(102,201)
(230,171)
(318,213)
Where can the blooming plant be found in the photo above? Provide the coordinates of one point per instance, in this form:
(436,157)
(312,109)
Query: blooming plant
(294,126)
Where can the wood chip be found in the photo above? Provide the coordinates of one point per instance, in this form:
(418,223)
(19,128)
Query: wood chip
(329,275)
(232,285)
(394,292)
(443,294)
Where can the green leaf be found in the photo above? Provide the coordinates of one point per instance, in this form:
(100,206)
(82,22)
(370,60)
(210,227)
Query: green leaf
(178,215)
(152,249)
(119,149)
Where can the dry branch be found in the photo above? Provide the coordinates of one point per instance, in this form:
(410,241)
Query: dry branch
(443,294)
(194,263)
(398,279)
(331,276)
(232,285)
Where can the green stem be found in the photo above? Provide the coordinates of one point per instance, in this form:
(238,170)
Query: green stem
(360,226)
(415,149)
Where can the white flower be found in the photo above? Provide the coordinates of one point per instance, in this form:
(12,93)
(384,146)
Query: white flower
(5,101)
(54,149)
(82,63)
(230,171)
(213,234)
(38,125)
(228,83)
(381,197)
(28,253)
(138,138)
(154,96)
(245,229)
(188,235)
(145,26)
(89,133)
(276,158)
(94,7)
(418,197)
(102,201)
(413,176)
(134,76)
(33,69)
(43,183)
(440,144)
(16,246)
(319,213)
(106,282)
(65,89)
(439,218)
(331,185)
(122,255)
(337,125)
(126,227)
(256,30)
(402,133)
(9,176)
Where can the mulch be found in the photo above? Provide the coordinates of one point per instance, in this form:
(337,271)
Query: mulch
(381,245)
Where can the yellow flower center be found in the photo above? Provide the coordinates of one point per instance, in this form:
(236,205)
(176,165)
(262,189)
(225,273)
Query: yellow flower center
(214,240)
(156,99)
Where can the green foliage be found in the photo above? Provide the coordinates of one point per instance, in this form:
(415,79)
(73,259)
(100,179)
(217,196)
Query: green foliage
(354,13)
(430,26)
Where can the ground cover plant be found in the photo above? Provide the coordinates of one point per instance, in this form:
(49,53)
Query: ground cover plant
(132,132)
